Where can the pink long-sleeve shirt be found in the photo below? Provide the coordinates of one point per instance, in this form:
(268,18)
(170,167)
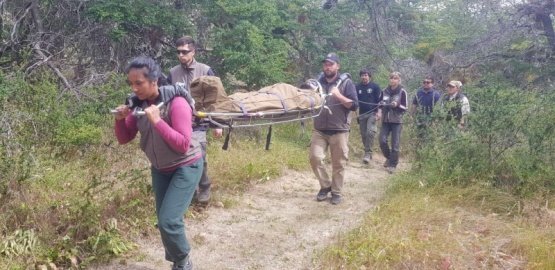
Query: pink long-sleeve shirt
(177,134)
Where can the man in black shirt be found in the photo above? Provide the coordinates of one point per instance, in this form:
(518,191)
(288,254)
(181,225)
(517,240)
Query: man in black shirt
(369,94)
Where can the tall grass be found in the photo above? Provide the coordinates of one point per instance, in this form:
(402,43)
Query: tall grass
(71,196)
(509,143)
(478,198)
(441,228)
(246,159)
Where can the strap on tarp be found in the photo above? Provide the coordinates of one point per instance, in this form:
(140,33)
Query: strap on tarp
(311,99)
(242,106)
(281,99)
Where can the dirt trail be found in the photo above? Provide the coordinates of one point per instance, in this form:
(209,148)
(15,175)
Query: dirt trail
(275,225)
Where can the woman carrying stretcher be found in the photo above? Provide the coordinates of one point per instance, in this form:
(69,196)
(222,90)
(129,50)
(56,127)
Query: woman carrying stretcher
(166,139)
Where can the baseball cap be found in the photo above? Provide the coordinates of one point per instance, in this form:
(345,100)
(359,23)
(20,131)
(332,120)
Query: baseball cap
(331,57)
(455,83)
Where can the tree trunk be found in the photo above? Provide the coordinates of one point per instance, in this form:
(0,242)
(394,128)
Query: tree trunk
(37,45)
(548,29)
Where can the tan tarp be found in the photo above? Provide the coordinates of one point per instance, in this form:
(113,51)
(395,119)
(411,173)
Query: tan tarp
(209,95)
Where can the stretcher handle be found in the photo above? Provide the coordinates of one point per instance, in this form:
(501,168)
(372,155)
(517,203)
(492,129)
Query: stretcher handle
(137,111)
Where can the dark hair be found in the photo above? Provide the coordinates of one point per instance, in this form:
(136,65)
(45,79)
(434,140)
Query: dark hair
(305,85)
(429,78)
(365,71)
(311,84)
(151,70)
(184,41)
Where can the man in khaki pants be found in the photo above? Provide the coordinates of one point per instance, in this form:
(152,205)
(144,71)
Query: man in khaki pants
(331,130)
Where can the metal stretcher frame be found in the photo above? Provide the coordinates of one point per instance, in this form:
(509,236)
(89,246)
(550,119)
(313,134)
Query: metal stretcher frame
(249,119)
(252,119)
(232,120)
(262,118)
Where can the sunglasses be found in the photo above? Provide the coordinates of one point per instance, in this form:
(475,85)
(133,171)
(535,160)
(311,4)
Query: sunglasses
(184,52)
(427,82)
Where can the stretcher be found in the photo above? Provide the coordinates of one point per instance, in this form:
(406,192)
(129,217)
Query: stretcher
(278,103)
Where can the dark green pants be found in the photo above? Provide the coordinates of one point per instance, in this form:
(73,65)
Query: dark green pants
(173,192)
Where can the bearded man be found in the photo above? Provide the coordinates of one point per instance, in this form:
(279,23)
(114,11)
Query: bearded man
(331,129)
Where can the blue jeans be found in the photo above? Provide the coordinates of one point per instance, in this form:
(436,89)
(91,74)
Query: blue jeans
(391,154)
(173,192)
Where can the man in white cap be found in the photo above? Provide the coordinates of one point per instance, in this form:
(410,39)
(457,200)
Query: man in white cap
(457,104)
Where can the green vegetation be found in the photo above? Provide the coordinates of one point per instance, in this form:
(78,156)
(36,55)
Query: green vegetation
(446,227)
(480,198)
(246,160)
(70,195)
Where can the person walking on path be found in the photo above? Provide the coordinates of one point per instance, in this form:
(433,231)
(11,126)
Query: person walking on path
(176,159)
(391,109)
(188,70)
(368,93)
(331,130)
(457,104)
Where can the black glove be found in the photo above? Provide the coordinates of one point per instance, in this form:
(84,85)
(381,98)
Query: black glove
(133,101)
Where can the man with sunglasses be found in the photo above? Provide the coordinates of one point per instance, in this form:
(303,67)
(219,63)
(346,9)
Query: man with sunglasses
(426,97)
(188,70)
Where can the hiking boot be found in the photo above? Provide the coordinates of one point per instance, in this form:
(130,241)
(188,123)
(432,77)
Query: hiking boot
(187,266)
(391,170)
(323,194)
(204,195)
(386,163)
(366,158)
(335,199)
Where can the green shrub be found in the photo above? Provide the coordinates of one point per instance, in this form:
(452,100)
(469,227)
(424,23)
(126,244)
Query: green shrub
(508,144)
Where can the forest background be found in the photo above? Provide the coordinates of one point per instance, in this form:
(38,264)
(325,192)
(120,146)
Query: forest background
(67,199)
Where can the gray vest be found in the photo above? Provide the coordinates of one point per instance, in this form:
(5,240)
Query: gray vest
(394,115)
(337,117)
(158,151)
(188,74)
(181,74)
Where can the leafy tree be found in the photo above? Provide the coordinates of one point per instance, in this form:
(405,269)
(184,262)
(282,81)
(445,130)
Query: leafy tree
(247,42)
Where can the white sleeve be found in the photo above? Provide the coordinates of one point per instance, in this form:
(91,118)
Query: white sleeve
(465,106)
